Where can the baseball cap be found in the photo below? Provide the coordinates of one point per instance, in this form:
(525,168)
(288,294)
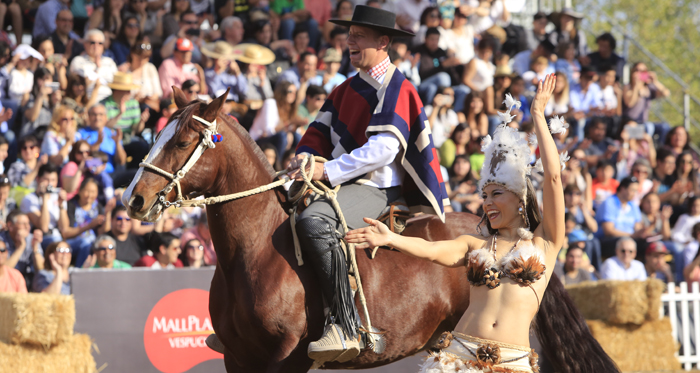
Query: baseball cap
(577,235)
(656,247)
(183,45)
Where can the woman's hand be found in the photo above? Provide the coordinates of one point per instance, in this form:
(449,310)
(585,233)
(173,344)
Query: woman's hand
(544,93)
(97,221)
(54,264)
(90,261)
(666,212)
(377,234)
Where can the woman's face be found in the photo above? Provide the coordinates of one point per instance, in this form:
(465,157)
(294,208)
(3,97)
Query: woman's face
(83,153)
(433,19)
(679,138)
(29,151)
(131,28)
(686,164)
(462,137)
(291,94)
(194,251)
(301,41)
(66,121)
(345,10)
(517,88)
(651,204)
(181,5)
(271,156)
(501,207)
(63,258)
(570,53)
(78,89)
(476,106)
(46,49)
(192,92)
(486,54)
(559,86)
(88,194)
(117,6)
(572,198)
(264,36)
(567,22)
(461,167)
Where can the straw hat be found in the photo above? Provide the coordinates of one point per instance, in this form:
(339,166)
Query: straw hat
(332,55)
(253,53)
(503,70)
(123,82)
(218,50)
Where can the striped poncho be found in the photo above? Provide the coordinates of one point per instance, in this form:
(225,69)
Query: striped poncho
(361,107)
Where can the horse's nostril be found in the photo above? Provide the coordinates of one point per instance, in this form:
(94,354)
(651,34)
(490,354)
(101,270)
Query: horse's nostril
(136,202)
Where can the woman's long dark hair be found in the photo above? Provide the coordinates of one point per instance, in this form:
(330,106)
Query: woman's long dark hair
(40,74)
(667,141)
(121,36)
(73,80)
(693,175)
(468,102)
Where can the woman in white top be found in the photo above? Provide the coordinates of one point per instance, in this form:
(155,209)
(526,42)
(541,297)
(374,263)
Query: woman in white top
(459,40)
(144,74)
(488,14)
(478,75)
(442,118)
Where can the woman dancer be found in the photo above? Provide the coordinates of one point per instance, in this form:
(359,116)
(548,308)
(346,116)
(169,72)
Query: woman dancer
(518,252)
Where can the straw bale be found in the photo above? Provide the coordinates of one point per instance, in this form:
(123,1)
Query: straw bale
(37,319)
(619,302)
(71,356)
(655,288)
(645,347)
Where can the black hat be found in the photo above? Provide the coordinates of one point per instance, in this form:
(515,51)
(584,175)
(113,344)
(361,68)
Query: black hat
(378,19)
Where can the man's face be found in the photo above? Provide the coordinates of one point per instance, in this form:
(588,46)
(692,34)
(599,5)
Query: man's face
(3,151)
(97,117)
(105,253)
(626,194)
(604,48)
(626,252)
(656,260)
(234,34)
(121,223)
(574,256)
(608,78)
(20,228)
(183,57)
(365,46)
(46,180)
(189,21)
(172,251)
(314,103)
(431,42)
(340,42)
(539,25)
(307,66)
(64,22)
(597,132)
(94,46)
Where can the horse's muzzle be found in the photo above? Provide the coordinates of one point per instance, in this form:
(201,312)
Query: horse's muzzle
(136,208)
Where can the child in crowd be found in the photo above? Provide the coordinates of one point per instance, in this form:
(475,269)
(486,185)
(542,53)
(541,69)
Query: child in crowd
(21,77)
(604,185)
(167,108)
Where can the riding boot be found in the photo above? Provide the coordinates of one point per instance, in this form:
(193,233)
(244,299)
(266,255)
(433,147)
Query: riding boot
(321,244)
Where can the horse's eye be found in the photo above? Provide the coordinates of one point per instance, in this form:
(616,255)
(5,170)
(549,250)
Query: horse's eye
(183,145)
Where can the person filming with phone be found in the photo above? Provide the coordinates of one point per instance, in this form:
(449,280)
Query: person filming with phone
(42,206)
(643,88)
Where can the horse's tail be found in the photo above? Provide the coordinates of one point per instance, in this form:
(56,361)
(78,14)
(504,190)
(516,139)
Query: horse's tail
(564,335)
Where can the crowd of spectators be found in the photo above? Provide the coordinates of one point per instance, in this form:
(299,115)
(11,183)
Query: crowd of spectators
(83,100)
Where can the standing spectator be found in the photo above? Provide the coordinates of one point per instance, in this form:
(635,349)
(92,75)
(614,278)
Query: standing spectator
(330,78)
(55,278)
(104,139)
(43,100)
(65,41)
(130,247)
(224,73)
(166,252)
(42,207)
(93,65)
(618,217)
(126,39)
(566,29)
(201,232)
(61,136)
(685,182)
(655,262)
(76,98)
(176,70)
(571,272)
(45,18)
(104,249)
(107,18)
(605,57)
(171,20)
(25,253)
(23,171)
(538,32)
(623,266)
(11,280)
(637,96)
(441,117)
(586,100)
(143,74)
(193,255)
(435,68)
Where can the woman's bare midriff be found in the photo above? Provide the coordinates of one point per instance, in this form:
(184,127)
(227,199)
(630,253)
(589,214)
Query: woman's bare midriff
(502,314)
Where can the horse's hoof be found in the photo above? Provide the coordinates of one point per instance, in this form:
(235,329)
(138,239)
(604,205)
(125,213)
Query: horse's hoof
(214,343)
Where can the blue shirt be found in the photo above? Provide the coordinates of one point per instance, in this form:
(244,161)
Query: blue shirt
(593,98)
(333,82)
(521,63)
(611,210)
(218,83)
(108,146)
(291,75)
(26,261)
(45,20)
(44,278)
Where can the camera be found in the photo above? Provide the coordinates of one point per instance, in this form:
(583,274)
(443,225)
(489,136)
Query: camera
(51,189)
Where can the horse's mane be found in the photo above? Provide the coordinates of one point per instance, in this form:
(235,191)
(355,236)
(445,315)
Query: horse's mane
(194,125)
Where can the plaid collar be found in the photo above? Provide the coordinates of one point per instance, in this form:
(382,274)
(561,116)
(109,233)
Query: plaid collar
(380,69)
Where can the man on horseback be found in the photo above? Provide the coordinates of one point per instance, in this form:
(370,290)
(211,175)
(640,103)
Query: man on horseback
(374,133)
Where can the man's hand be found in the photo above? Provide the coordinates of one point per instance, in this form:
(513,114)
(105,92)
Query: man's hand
(295,164)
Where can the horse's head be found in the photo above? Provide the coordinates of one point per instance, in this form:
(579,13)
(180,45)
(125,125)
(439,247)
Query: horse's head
(177,165)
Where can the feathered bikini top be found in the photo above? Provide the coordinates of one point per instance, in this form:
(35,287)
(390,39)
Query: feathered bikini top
(523,264)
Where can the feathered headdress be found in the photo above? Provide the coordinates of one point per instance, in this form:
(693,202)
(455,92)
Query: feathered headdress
(507,155)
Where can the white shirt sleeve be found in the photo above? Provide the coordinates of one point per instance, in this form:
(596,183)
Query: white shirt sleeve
(379,151)
(266,120)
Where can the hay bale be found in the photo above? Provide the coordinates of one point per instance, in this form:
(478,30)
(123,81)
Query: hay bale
(655,288)
(645,347)
(36,319)
(619,302)
(71,356)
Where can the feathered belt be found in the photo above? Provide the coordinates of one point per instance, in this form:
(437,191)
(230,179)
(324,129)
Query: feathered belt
(466,354)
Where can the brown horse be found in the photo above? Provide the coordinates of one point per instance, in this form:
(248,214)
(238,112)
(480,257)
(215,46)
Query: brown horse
(264,307)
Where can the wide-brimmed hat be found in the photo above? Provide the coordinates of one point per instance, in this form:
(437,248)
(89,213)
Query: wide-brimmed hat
(25,51)
(378,19)
(123,82)
(218,50)
(332,55)
(503,70)
(555,17)
(253,53)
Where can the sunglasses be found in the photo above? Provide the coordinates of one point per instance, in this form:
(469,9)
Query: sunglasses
(145,47)
(200,247)
(191,23)
(119,218)
(63,250)
(103,248)
(29,147)
(92,42)
(2,250)
(83,152)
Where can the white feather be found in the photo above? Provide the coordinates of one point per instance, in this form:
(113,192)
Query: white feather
(563,158)
(510,102)
(505,117)
(485,143)
(557,125)
(538,166)
(532,139)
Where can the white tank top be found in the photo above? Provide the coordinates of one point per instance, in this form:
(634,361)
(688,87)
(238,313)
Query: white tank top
(483,78)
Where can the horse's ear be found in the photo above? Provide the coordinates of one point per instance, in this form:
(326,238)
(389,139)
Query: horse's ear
(212,110)
(179,98)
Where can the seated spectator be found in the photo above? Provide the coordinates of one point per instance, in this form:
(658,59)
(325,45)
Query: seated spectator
(103,139)
(566,29)
(231,30)
(603,185)
(559,104)
(302,72)
(84,218)
(637,146)
(65,41)
(149,22)
(641,169)
(479,72)
(128,34)
(287,14)
(189,31)
(463,186)
(300,41)
(522,60)
(663,171)
(677,142)
(42,207)
(201,233)
(577,205)
(193,254)
(315,97)
(166,252)
(685,182)
(11,280)
(691,249)
(442,117)
(257,57)
(682,233)
(43,100)
(605,57)
(330,78)
(177,69)
(502,80)
(691,272)
(618,217)
(567,63)
(45,18)
(105,251)
(191,89)
(108,18)
(21,77)
(81,164)
(436,69)
(343,10)
(571,272)
(130,247)
(143,74)
(611,94)
(124,113)
(585,99)
(55,278)
(24,249)
(171,21)
(538,33)
(277,121)
(597,146)
(637,96)
(92,65)
(56,64)
(406,64)
(76,98)
(61,136)
(22,173)
(655,262)
(474,115)
(623,266)
(455,145)
(224,73)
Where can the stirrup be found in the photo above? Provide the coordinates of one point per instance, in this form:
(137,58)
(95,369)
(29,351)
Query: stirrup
(334,345)
(214,343)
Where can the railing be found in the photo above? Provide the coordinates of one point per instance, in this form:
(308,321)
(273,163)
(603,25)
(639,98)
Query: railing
(683,309)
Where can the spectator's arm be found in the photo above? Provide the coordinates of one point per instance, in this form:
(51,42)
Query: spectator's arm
(588,196)
(58,158)
(661,90)
(140,229)
(610,231)
(166,50)
(588,218)
(45,215)
(630,95)
(120,153)
(490,104)
(688,270)
(33,113)
(468,75)
(31,176)
(38,256)
(55,285)
(66,230)
(606,273)
(156,4)
(95,18)
(433,115)
(13,259)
